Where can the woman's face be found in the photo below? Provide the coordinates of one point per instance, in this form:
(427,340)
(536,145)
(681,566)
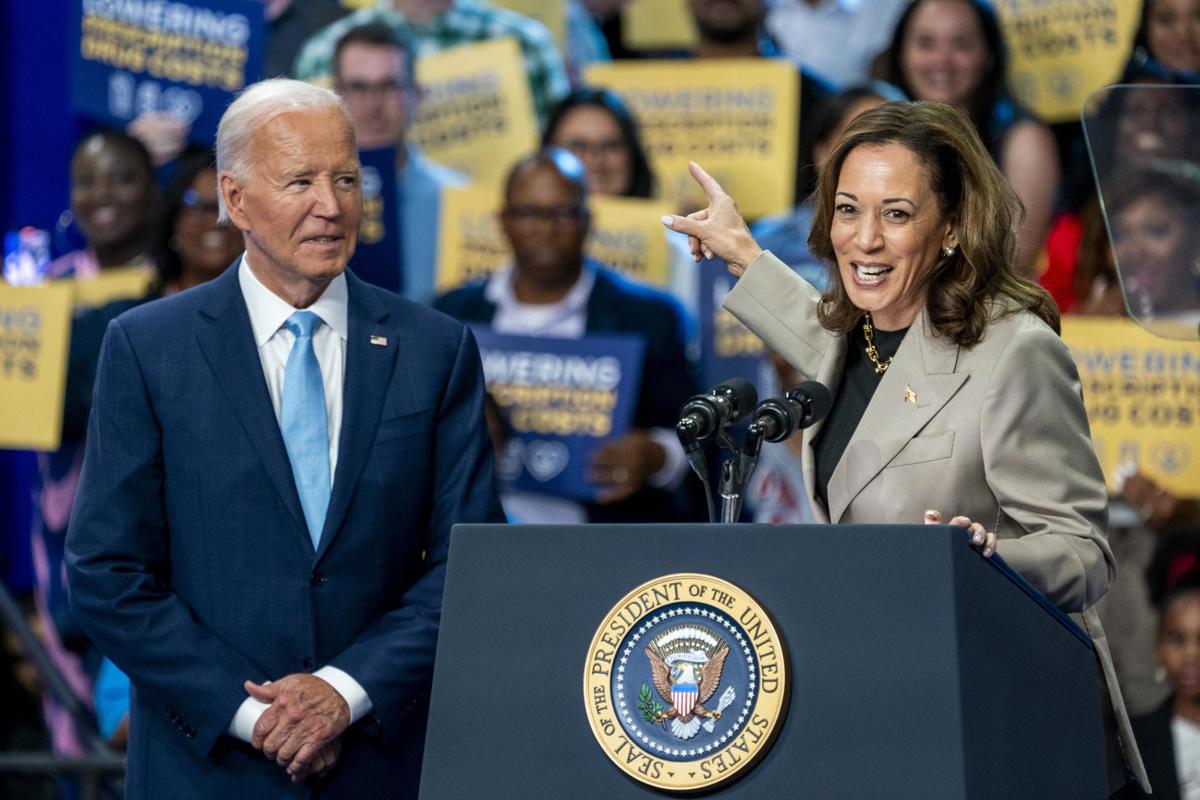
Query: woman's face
(1150,236)
(1178,645)
(205,246)
(887,232)
(944,56)
(1173,34)
(1155,122)
(592,133)
(110,192)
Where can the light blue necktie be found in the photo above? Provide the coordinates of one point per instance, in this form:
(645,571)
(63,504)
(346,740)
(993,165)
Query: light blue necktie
(304,425)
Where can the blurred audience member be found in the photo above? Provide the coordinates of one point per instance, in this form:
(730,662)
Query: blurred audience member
(436,25)
(553,290)
(952,51)
(786,235)
(1154,125)
(735,29)
(837,40)
(191,248)
(373,72)
(112,193)
(1167,42)
(585,43)
(1169,736)
(597,126)
(1155,223)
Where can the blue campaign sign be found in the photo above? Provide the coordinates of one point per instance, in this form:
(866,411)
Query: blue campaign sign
(727,348)
(377,256)
(186,58)
(562,398)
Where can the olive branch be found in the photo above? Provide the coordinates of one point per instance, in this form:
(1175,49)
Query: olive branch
(650,708)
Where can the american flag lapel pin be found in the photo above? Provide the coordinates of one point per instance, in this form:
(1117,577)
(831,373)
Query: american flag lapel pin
(379,341)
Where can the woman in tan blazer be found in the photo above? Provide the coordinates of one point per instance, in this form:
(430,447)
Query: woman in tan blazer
(954,395)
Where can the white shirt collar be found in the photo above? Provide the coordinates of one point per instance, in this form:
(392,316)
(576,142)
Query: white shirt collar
(268,311)
(499,290)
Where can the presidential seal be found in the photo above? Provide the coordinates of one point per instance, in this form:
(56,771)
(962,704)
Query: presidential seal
(685,682)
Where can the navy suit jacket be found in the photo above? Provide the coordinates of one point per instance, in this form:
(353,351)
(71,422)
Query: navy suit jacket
(189,562)
(617,305)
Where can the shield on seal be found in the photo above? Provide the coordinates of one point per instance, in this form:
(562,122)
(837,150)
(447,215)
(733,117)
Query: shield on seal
(683,697)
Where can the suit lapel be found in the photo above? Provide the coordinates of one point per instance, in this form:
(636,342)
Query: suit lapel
(227,342)
(921,379)
(369,368)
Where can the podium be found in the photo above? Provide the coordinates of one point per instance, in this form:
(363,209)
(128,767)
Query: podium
(916,668)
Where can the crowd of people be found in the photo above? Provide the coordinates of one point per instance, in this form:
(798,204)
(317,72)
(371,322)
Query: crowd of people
(912,223)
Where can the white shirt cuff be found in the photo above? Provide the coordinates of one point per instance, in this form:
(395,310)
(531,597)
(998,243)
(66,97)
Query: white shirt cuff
(350,690)
(675,465)
(242,726)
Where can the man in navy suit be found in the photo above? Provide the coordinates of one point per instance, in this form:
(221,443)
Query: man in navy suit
(274,462)
(553,289)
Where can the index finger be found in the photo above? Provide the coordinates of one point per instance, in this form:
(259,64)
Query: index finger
(707,182)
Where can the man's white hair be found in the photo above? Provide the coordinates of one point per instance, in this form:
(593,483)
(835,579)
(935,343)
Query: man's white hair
(255,106)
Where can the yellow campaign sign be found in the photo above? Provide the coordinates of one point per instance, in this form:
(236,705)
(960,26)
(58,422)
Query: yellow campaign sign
(1142,395)
(737,118)
(658,25)
(35,328)
(122,283)
(471,245)
(551,13)
(476,115)
(1060,52)
(626,235)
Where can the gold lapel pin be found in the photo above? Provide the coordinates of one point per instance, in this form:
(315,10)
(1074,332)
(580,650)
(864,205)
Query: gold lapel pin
(909,395)
(379,341)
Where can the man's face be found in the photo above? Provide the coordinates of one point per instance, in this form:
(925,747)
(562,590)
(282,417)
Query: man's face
(374,83)
(300,205)
(726,20)
(546,223)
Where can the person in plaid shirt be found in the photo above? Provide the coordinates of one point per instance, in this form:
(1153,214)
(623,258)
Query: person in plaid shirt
(435,25)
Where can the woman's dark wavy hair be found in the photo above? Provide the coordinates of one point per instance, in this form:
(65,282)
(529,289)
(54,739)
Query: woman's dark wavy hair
(1174,569)
(963,289)
(641,183)
(991,90)
(166,258)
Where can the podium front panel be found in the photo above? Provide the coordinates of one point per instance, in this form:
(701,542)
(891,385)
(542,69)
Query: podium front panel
(915,669)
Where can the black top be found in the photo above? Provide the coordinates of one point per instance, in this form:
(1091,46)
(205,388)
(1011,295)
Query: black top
(859,382)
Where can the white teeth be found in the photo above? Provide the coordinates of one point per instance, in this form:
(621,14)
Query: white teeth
(871,272)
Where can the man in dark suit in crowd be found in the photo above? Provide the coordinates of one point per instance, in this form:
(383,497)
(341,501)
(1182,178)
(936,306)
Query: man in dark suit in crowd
(274,461)
(553,289)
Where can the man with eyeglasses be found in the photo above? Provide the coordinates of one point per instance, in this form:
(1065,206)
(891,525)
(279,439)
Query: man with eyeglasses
(373,72)
(552,289)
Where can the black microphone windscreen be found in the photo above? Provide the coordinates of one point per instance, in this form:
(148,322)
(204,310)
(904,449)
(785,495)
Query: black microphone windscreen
(822,401)
(743,394)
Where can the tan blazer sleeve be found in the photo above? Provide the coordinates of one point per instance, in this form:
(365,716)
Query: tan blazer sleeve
(1042,469)
(781,307)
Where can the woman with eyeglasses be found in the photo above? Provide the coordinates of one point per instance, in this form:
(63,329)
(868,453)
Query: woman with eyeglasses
(597,126)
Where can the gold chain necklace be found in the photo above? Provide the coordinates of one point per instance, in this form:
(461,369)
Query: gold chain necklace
(872,353)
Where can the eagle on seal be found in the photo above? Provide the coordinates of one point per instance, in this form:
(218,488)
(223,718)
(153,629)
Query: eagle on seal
(686,665)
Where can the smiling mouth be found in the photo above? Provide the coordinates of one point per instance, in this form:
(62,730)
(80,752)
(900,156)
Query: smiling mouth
(323,239)
(869,274)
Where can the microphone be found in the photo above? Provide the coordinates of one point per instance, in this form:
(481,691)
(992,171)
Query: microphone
(705,415)
(777,418)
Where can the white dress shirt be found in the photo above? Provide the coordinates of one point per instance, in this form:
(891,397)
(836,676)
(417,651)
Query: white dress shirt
(836,39)
(268,313)
(565,319)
